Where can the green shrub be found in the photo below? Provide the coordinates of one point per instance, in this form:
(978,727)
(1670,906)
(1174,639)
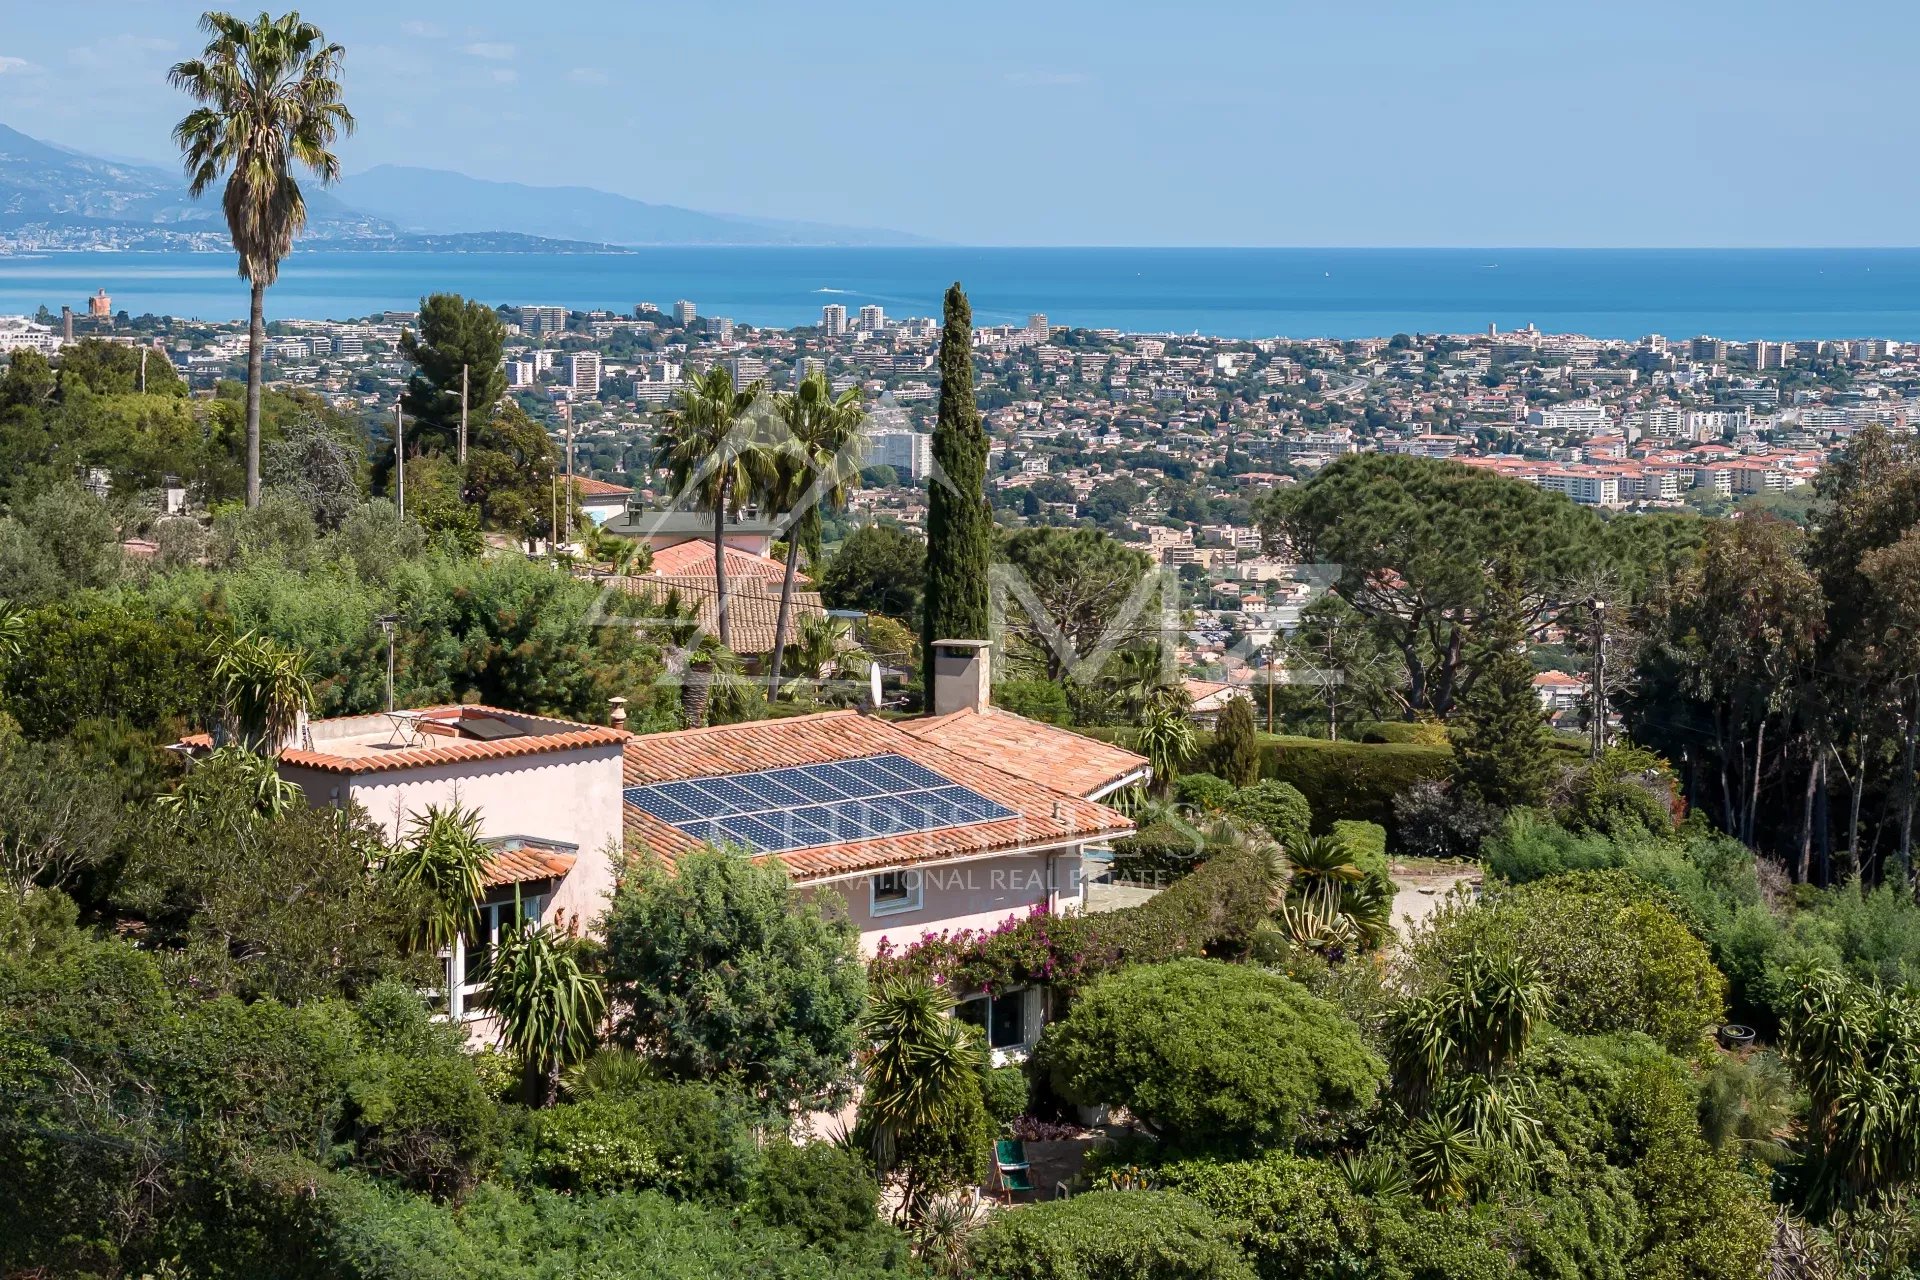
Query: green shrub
(1203,791)
(823,1193)
(1278,807)
(1205,1052)
(1004,1091)
(683,1139)
(1367,842)
(360,1231)
(1217,910)
(1610,948)
(1141,1235)
(1293,1217)
(1161,852)
(1035,699)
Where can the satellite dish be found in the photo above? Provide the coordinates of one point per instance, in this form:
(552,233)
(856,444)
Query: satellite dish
(873,682)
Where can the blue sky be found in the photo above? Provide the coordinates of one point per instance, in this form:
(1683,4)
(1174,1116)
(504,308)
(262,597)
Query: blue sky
(1051,122)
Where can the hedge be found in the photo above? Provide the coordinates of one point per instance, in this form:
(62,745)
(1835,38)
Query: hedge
(1143,1235)
(1339,779)
(1352,780)
(1420,733)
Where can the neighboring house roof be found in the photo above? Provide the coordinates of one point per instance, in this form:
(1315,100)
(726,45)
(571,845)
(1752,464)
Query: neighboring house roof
(753,606)
(1207,695)
(1041,753)
(588,487)
(695,559)
(1043,817)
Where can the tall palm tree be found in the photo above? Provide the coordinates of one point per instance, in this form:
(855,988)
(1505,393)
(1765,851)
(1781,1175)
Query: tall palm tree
(270,100)
(815,465)
(549,1006)
(715,450)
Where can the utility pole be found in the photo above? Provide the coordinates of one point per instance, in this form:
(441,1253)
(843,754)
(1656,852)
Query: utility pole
(567,510)
(1329,677)
(400,459)
(463,415)
(1598,676)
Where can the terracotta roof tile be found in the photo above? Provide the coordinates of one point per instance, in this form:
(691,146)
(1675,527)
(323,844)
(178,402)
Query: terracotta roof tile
(1042,753)
(525,863)
(588,487)
(753,606)
(1044,816)
(695,559)
(565,736)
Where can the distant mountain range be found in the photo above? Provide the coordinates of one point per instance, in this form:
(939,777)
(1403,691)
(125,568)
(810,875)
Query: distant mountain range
(425,201)
(53,197)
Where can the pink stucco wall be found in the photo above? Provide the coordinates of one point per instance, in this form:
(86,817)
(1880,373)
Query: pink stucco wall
(572,797)
(965,895)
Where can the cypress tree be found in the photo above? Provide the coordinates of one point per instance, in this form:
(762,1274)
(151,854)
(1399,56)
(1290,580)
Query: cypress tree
(959,523)
(1236,747)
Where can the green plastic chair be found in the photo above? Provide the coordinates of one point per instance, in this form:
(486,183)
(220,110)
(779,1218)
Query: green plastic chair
(1010,1161)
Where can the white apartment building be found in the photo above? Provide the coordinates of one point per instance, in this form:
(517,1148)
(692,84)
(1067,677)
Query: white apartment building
(910,453)
(873,319)
(1589,488)
(583,371)
(1574,417)
(833,320)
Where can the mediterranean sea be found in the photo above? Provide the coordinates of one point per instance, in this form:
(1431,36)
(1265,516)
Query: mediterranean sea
(1251,293)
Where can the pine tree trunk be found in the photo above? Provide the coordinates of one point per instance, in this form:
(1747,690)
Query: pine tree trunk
(1801,871)
(256,342)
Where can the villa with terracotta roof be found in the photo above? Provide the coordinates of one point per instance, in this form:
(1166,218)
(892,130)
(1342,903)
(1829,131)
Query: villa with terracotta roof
(962,819)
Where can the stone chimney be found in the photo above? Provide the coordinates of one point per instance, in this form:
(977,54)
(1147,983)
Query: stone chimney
(962,676)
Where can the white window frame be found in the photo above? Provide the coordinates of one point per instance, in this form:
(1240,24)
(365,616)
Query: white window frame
(1028,998)
(915,896)
(494,914)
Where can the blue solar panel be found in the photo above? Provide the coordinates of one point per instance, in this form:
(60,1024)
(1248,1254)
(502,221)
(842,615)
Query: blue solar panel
(800,807)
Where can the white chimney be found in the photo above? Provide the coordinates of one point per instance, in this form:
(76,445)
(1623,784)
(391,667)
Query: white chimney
(962,676)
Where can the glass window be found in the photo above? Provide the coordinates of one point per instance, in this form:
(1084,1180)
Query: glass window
(895,891)
(495,917)
(1002,1017)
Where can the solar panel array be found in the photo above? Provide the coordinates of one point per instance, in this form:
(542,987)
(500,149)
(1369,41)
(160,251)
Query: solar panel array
(802,806)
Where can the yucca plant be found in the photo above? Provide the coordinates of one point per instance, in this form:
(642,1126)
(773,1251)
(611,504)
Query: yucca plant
(918,1057)
(1479,1022)
(548,1005)
(264,689)
(1441,1159)
(1166,736)
(444,860)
